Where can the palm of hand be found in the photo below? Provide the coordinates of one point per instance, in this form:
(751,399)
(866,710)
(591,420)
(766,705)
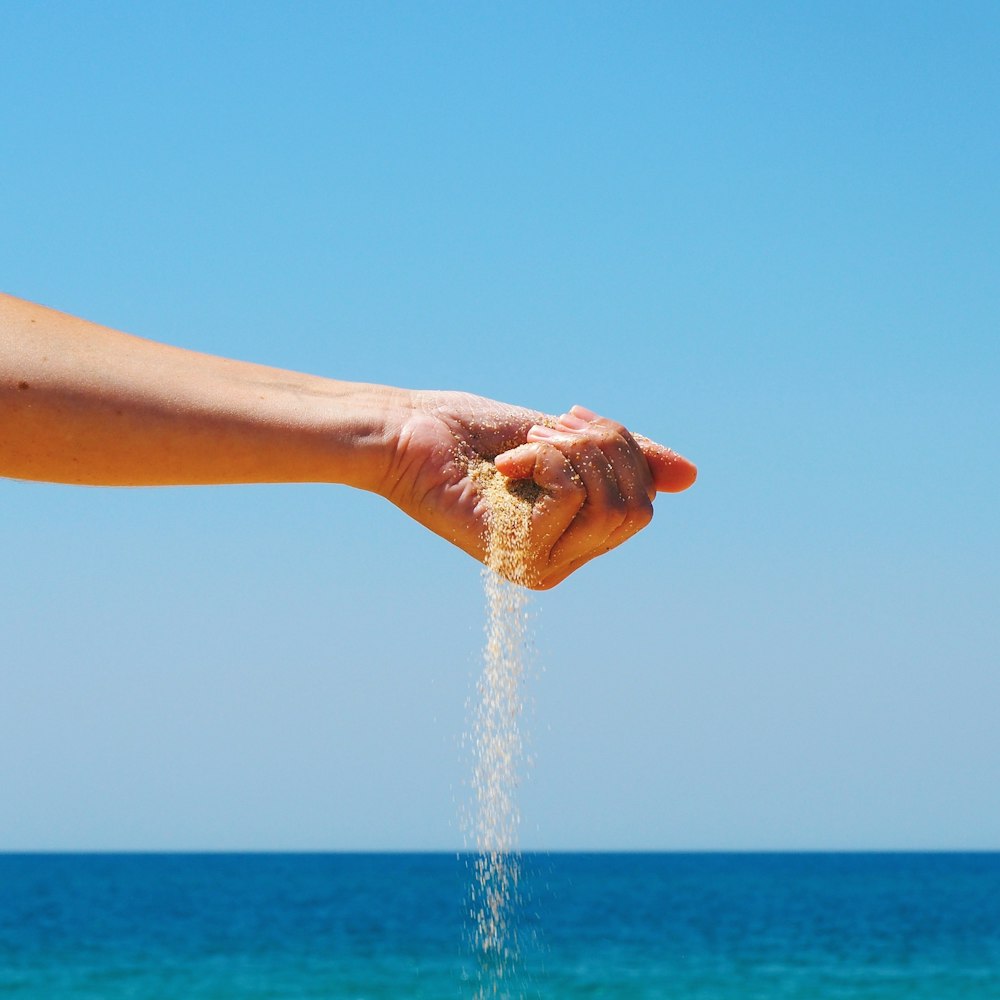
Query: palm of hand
(430,473)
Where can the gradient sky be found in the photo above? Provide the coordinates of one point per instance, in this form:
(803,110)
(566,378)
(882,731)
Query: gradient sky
(767,234)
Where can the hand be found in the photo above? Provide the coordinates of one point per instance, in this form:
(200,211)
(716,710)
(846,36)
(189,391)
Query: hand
(598,481)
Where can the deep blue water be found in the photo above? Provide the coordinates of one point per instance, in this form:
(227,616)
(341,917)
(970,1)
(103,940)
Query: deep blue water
(680,926)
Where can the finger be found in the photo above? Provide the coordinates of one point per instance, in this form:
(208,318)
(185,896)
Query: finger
(545,463)
(630,469)
(608,464)
(562,497)
(518,463)
(605,508)
(618,482)
(563,570)
(557,576)
(589,537)
(671,473)
(630,466)
(582,504)
(572,422)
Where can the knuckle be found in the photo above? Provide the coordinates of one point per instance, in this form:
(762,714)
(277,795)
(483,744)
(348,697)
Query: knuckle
(614,509)
(643,514)
(575,487)
(610,427)
(611,441)
(639,515)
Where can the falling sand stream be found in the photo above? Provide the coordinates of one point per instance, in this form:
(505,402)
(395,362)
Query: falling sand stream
(497,740)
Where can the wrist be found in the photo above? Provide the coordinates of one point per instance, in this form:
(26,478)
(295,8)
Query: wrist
(362,439)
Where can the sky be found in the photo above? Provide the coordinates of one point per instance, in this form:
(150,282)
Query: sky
(766,234)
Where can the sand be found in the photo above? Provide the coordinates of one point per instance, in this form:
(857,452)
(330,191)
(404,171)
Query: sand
(499,749)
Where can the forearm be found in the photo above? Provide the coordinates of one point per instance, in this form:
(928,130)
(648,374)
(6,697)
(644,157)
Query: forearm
(80,403)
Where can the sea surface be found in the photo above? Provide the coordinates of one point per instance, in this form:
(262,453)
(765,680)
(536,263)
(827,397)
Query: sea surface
(679,926)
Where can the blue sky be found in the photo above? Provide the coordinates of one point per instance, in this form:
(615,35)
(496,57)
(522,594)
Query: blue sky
(765,234)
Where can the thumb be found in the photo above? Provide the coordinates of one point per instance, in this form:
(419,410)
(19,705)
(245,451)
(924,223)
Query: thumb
(672,473)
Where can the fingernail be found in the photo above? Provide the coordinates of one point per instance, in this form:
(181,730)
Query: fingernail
(582,411)
(573,422)
(541,431)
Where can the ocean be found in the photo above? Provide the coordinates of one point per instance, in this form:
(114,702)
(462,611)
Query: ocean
(797,926)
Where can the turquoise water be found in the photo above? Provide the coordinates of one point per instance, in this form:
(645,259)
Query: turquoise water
(679,926)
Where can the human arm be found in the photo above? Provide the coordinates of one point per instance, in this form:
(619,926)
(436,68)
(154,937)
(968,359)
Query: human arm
(83,404)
